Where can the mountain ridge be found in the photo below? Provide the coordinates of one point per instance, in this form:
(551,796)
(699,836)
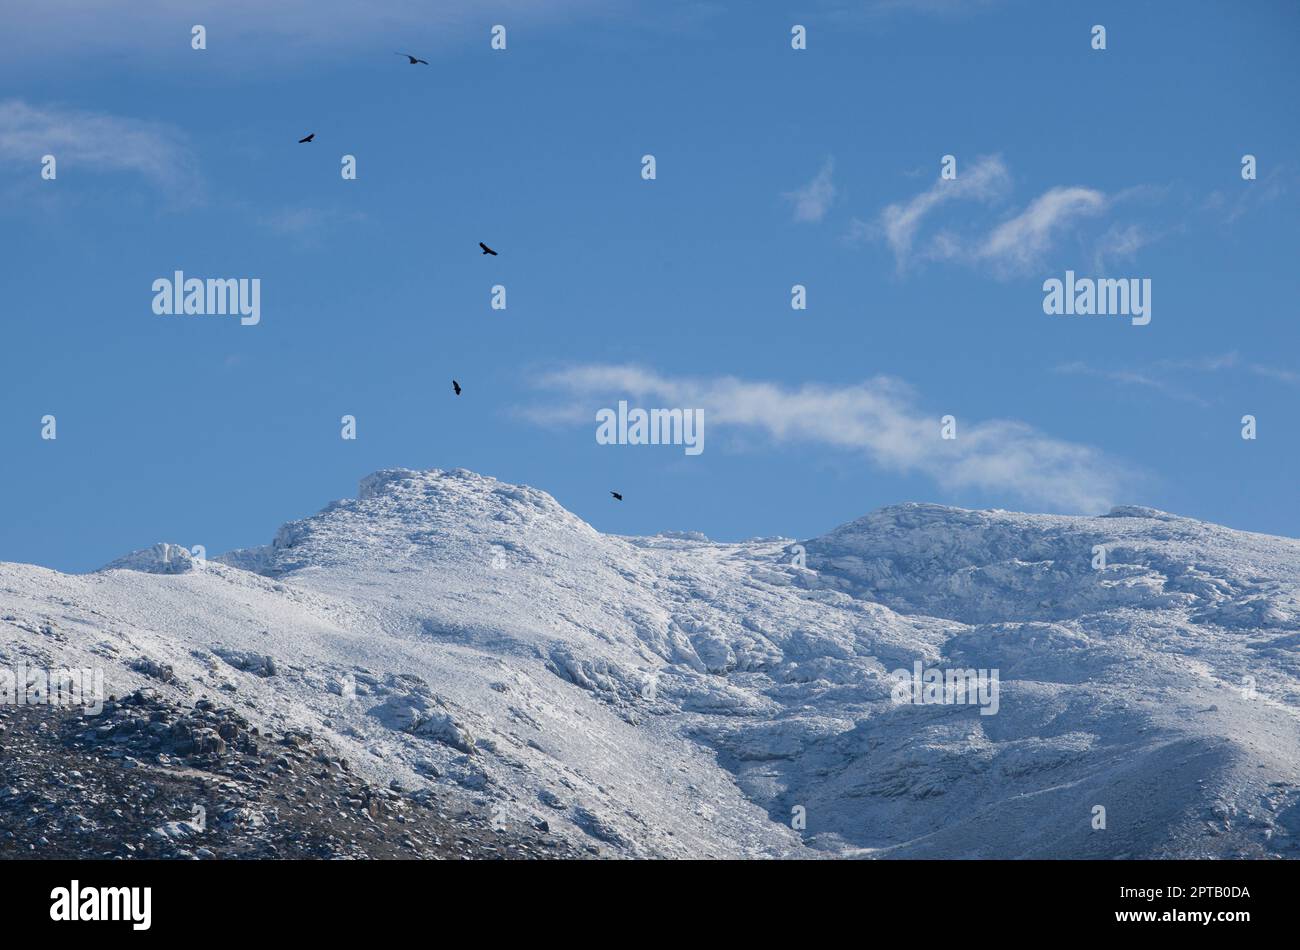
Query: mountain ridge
(675,696)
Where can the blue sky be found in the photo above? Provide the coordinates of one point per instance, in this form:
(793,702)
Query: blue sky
(774,167)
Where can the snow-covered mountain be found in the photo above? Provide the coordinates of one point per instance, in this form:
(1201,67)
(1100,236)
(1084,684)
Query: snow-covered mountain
(673,696)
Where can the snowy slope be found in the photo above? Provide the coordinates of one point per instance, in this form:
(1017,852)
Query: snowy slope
(671,696)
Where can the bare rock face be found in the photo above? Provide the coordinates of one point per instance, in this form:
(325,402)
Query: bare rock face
(154,779)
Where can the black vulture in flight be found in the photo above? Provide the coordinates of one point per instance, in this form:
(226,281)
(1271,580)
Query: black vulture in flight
(486,249)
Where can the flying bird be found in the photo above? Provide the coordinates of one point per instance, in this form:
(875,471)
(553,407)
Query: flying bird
(413,59)
(456,386)
(617,496)
(307,139)
(486,249)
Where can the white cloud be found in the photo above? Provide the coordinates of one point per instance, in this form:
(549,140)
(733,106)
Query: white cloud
(813,200)
(1021,241)
(1013,246)
(984,180)
(94,142)
(878,418)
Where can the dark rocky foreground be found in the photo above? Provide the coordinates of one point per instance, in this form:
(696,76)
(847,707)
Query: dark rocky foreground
(148,779)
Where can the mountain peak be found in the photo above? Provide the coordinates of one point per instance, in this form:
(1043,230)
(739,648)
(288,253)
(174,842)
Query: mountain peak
(1141,511)
(402,513)
(388,480)
(161,558)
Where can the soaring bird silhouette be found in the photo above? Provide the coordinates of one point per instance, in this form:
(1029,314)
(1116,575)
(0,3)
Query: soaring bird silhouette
(486,249)
(456,386)
(307,139)
(413,59)
(617,496)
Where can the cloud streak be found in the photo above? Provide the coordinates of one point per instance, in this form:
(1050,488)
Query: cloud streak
(1126,377)
(813,200)
(1159,375)
(877,418)
(95,142)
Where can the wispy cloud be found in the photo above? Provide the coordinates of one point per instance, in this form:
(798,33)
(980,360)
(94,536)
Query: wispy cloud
(937,8)
(307,225)
(1168,376)
(1252,196)
(1120,243)
(878,418)
(1014,245)
(1232,361)
(1021,241)
(1126,377)
(813,200)
(95,143)
(986,179)
(1272,372)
